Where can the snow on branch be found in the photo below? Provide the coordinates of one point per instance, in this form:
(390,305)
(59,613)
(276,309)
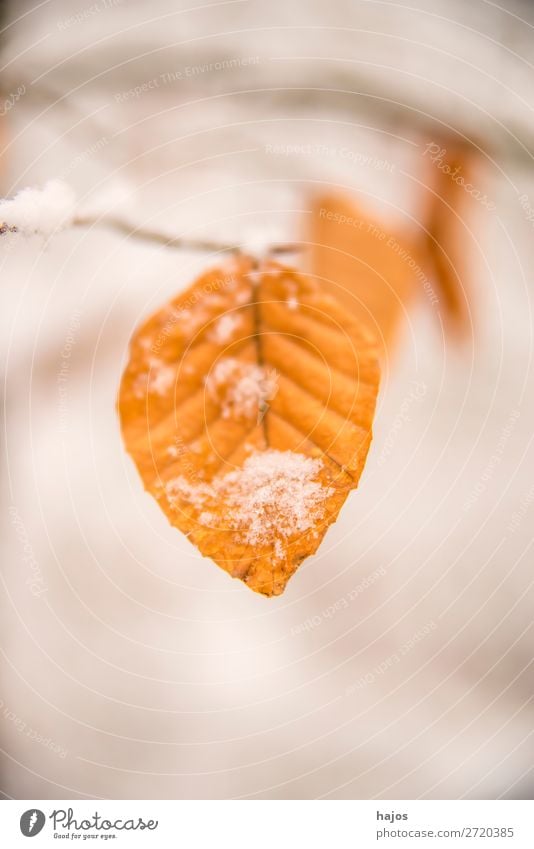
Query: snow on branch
(43,211)
(50,209)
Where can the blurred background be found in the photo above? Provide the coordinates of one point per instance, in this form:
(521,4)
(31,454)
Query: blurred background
(399,661)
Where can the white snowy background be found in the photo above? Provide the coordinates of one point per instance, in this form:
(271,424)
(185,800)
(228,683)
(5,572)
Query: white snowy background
(132,667)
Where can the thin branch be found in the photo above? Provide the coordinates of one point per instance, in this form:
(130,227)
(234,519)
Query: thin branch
(156,237)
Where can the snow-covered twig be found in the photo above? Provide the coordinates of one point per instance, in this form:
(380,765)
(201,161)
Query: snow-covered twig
(52,208)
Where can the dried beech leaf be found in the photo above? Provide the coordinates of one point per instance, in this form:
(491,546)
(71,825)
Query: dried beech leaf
(247,405)
(362,262)
(453,166)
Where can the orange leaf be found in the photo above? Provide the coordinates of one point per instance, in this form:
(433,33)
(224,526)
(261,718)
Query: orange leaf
(247,406)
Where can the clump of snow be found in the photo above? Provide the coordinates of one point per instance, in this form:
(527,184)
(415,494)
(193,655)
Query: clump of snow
(157,380)
(224,328)
(275,495)
(242,389)
(41,211)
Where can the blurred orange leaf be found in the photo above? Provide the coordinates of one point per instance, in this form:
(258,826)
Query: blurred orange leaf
(452,197)
(364,263)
